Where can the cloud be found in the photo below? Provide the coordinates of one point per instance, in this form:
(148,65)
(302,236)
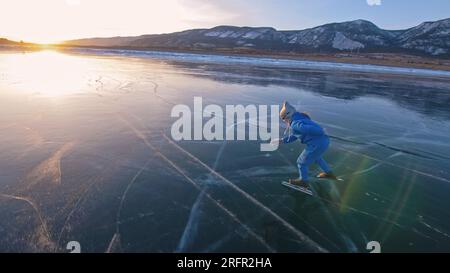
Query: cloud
(374,2)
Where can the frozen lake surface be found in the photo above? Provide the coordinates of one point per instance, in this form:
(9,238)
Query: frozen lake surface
(86,155)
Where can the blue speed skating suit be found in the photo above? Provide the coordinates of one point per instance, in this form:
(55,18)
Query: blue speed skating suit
(317,142)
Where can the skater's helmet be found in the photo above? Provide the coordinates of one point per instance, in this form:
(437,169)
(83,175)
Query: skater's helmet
(287,111)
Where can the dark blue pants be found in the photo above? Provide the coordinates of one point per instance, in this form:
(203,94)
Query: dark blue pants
(313,154)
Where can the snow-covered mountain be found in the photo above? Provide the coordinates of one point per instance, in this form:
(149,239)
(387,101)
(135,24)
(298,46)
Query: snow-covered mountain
(357,34)
(431,38)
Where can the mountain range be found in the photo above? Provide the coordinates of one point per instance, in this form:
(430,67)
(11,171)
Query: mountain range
(428,38)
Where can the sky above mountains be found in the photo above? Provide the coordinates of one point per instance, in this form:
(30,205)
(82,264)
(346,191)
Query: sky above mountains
(48,21)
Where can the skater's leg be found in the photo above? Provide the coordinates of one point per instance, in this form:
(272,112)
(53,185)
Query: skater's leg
(304,161)
(323,165)
(303,171)
(321,149)
(312,154)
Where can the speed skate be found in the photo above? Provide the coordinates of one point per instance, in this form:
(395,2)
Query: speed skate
(297,188)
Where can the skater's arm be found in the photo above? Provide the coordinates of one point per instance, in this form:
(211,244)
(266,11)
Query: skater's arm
(289,139)
(305,129)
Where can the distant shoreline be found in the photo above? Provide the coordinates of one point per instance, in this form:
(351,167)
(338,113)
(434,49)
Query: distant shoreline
(382,59)
(392,60)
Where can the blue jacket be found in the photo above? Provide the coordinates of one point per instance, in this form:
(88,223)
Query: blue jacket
(305,129)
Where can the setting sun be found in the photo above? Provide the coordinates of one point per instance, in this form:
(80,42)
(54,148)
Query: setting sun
(63,74)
